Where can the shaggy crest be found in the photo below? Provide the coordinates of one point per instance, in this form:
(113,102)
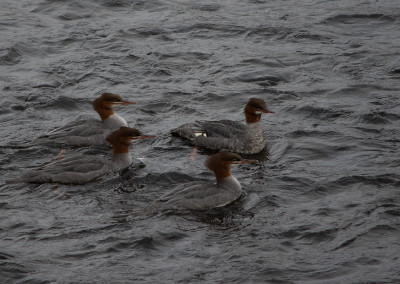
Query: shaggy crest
(257,103)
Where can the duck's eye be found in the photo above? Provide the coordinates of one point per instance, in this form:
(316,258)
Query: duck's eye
(115,100)
(235,160)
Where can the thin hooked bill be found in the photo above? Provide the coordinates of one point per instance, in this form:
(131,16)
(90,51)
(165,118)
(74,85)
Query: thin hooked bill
(267,111)
(144,137)
(126,103)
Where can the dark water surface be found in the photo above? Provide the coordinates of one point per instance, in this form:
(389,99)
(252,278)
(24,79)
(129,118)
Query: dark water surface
(322,206)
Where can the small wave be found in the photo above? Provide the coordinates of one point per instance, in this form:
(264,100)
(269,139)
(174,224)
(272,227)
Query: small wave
(269,32)
(307,36)
(116,3)
(294,232)
(72,16)
(12,56)
(343,183)
(317,237)
(206,7)
(11,271)
(211,30)
(378,118)
(60,102)
(261,79)
(321,113)
(360,18)
(313,133)
(143,32)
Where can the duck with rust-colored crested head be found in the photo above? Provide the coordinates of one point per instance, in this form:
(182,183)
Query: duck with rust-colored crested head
(87,131)
(84,168)
(201,195)
(227,134)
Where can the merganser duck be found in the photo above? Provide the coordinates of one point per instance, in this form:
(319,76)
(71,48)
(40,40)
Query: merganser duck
(84,168)
(200,195)
(228,134)
(86,131)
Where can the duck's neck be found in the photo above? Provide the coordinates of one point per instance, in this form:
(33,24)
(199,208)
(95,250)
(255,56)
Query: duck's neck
(252,118)
(254,127)
(230,183)
(114,121)
(121,161)
(103,111)
(221,173)
(121,157)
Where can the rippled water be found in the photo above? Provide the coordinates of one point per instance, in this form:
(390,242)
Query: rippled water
(323,204)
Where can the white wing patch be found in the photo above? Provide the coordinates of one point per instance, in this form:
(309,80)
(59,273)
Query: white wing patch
(200,134)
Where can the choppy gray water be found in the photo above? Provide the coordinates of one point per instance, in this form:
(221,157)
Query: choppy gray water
(323,204)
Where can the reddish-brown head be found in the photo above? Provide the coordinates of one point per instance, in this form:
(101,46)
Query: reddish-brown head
(121,138)
(106,102)
(254,108)
(221,163)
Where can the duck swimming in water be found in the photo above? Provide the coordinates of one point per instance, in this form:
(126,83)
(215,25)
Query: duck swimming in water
(200,195)
(228,134)
(84,168)
(86,131)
